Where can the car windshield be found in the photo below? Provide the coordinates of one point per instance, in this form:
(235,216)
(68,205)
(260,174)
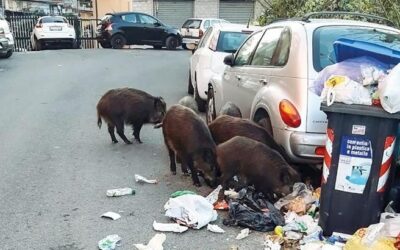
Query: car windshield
(324,37)
(230,41)
(53,20)
(192,24)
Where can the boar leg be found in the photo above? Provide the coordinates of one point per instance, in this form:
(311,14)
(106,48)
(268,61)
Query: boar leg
(172,164)
(111,130)
(189,162)
(120,131)
(136,131)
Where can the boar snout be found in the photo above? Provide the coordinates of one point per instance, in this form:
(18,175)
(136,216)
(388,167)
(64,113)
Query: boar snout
(160,108)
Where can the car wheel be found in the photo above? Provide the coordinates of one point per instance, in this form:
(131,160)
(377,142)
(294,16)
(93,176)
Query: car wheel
(157,46)
(190,85)
(74,44)
(201,104)
(171,42)
(211,113)
(118,41)
(38,45)
(265,122)
(105,45)
(7,55)
(184,46)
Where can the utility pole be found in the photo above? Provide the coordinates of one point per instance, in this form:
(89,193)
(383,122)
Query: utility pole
(77,7)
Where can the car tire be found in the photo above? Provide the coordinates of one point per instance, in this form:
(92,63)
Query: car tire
(184,46)
(171,43)
(157,46)
(74,44)
(105,45)
(265,122)
(201,104)
(118,41)
(211,114)
(38,45)
(7,55)
(190,85)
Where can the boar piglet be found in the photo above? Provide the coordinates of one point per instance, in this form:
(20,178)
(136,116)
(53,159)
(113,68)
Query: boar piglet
(255,163)
(187,138)
(230,109)
(226,127)
(129,106)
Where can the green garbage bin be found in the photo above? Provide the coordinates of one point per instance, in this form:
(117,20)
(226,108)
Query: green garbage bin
(357,163)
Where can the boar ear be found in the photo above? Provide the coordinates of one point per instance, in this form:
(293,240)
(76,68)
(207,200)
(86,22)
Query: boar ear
(158,102)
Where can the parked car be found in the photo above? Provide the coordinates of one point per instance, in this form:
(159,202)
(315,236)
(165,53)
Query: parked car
(194,28)
(53,31)
(270,76)
(6,39)
(219,41)
(128,28)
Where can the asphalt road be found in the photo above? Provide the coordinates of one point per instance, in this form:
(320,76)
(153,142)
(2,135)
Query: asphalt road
(56,165)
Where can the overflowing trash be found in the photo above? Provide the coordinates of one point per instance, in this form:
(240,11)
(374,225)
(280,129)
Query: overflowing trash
(215,229)
(169,227)
(190,210)
(156,243)
(120,192)
(389,91)
(243,234)
(213,196)
(111,215)
(180,193)
(110,242)
(141,179)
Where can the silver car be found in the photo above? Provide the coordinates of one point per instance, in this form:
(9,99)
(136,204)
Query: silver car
(270,76)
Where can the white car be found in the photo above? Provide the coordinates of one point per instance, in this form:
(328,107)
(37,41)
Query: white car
(194,28)
(219,41)
(270,78)
(6,39)
(53,30)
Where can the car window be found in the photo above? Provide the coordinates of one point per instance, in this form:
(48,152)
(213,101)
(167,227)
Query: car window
(244,53)
(53,19)
(324,37)
(192,24)
(130,18)
(230,41)
(266,48)
(207,24)
(147,19)
(205,38)
(283,49)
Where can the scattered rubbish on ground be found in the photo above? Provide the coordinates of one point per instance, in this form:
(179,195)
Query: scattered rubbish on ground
(169,227)
(111,215)
(190,210)
(369,239)
(298,200)
(221,205)
(180,193)
(110,242)
(141,179)
(215,229)
(231,194)
(273,242)
(392,224)
(233,247)
(252,210)
(243,234)
(213,196)
(156,243)
(120,192)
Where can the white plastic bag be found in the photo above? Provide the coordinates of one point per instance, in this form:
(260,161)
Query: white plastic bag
(389,91)
(343,89)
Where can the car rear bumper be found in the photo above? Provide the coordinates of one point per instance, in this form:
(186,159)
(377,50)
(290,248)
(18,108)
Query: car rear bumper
(301,146)
(187,40)
(53,41)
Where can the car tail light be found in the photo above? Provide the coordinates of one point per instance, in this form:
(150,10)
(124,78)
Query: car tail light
(320,150)
(39,25)
(201,33)
(289,114)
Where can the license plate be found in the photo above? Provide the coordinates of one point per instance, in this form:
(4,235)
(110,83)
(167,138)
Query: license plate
(55,28)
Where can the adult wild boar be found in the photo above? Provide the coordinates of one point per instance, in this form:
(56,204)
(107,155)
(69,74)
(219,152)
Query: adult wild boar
(255,163)
(226,127)
(129,106)
(187,137)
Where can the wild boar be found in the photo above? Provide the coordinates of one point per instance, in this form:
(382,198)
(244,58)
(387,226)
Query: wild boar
(226,127)
(189,102)
(187,137)
(230,109)
(255,163)
(129,106)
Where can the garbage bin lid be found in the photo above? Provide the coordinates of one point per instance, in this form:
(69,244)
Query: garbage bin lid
(346,48)
(356,109)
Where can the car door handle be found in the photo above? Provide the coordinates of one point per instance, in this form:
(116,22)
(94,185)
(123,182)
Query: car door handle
(263,81)
(238,77)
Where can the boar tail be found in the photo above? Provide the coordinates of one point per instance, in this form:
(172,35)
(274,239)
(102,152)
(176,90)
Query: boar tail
(99,122)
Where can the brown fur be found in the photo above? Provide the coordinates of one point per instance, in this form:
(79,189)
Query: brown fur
(129,106)
(226,127)
(187,137)
(256,164)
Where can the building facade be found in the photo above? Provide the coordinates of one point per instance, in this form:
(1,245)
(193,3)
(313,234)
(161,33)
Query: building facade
(175,12)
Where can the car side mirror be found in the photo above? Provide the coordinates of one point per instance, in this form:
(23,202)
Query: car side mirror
(229,60)
(157,24)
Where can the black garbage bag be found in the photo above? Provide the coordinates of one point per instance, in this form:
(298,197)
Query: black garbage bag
(253,211)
